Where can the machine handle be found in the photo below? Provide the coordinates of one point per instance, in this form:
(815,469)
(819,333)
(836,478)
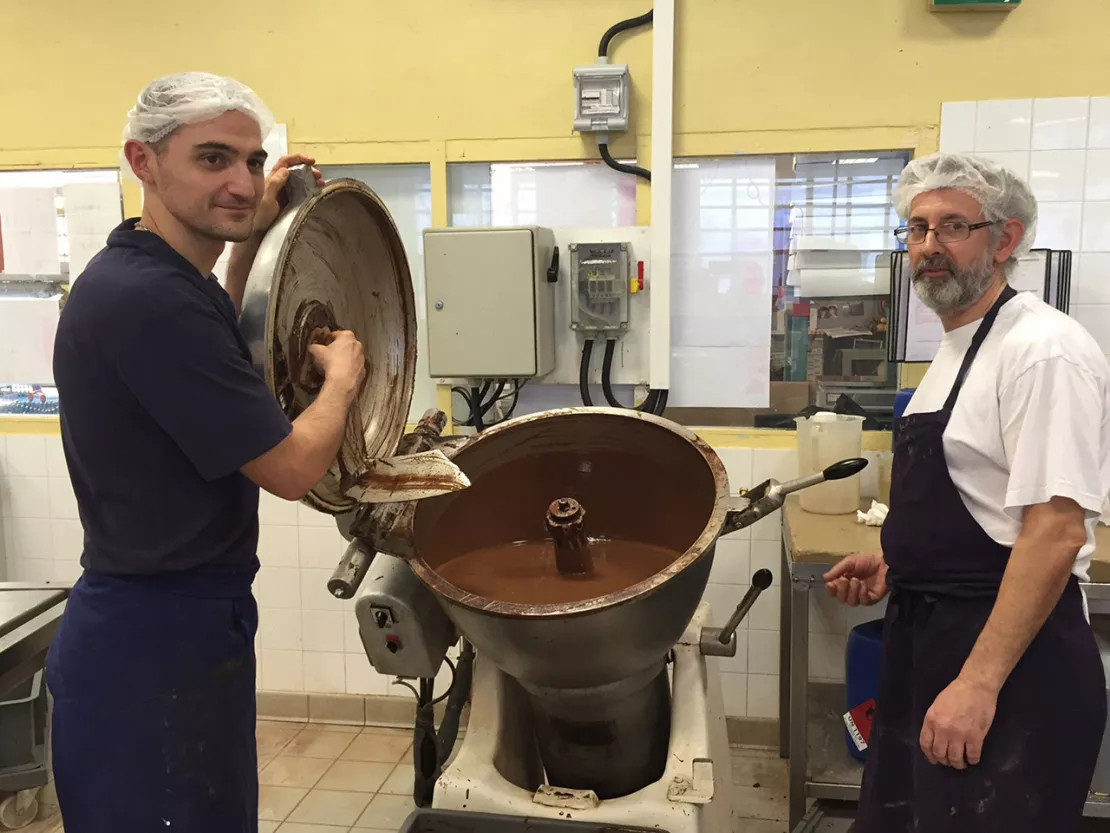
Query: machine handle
(351,570)
(845,468)
(721,642)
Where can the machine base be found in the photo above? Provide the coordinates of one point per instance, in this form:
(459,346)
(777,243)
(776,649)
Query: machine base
(498,771)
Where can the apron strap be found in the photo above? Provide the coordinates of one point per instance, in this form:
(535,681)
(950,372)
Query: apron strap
(977,342)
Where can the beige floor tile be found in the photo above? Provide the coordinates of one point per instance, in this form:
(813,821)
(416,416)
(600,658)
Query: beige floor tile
(388,730)
(292,771)
(758,771)
(319,743)
(276,803)
(264,761)
(760,803)
(268,826)
(377,748)
(400,781)
(387,812)
(273,737)
(291,827)
(355,776)
(341,809)
(760,826)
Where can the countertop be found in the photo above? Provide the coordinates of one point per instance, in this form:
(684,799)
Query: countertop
(826,539)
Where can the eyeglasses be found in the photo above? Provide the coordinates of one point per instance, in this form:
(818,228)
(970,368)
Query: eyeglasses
(953,231)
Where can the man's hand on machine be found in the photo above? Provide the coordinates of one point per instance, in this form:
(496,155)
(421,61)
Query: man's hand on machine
(271,203)
(857,580)
(341,360)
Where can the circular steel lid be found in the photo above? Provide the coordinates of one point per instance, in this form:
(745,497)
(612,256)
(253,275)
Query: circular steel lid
(334,258)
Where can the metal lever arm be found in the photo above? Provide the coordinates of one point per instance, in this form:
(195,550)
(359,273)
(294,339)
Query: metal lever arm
(721,642)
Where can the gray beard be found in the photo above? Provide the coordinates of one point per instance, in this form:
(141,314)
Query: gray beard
(959,290)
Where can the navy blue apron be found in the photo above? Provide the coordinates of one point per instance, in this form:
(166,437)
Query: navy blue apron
(944,573)
(154,712)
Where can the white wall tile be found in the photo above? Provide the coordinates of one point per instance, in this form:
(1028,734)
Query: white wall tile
(957,126)
(31,569)
(738,467)
(314,591)
(323,630)
(352,642)
(1097,175)
(63,503)
(1059,225)
(325,673)
(66,571)
(826,614)
(4,457)
(274,510)
(1099,134)
(826,656)
(27,497)
(282,670)
(1004,125)
(722,599)
(739,663)
(279,546)
(731,563)
(279,587)
(1096,318)
(1058,175)
(1016,160)
(28,538)
(307,516)
(321,547)
(25,456)
(763,652)
(68,539)
(1096,227)
(763,696)
(280,629)
(767,555)
(734,690)
(55,458)
(1091,278)
(362,678)
(1060,123)
(776,463)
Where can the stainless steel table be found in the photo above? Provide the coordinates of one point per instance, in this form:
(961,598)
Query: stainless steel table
(811,734)
(29,618)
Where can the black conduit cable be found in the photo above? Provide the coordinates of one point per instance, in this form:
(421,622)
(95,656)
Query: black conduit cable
(476,409)
(623,26)
(654,403)
(584,373)
(494,399)
(607,157)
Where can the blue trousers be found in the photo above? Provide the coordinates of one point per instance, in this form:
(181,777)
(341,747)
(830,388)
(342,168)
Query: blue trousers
(154,707)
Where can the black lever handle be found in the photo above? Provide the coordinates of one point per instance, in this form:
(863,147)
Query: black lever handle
(762,579)
(845,468)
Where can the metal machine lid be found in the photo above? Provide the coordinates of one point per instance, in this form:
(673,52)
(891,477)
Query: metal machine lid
(334,258)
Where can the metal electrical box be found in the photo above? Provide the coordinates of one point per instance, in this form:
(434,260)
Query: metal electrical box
(601,95)
(973,5)
(600,274)
(490,302)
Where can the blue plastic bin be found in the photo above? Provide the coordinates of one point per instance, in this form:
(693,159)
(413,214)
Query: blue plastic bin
(863,661)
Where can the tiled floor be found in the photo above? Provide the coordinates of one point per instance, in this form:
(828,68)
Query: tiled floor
(334,779)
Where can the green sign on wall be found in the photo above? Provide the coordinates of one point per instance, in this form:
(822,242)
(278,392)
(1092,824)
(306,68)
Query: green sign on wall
(973,5)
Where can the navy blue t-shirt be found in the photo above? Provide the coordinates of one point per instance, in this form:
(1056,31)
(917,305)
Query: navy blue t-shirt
(160,408)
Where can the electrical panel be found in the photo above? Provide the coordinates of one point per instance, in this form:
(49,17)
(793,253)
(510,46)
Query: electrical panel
(601,278)
(490,302)
(601,97)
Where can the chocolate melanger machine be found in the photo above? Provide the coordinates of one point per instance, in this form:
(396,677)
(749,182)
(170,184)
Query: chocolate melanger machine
(568,549)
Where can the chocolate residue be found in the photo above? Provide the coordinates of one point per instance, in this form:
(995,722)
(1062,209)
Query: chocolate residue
(566,526)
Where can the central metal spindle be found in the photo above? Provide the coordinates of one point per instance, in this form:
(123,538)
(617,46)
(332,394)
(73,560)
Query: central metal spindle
(565,518)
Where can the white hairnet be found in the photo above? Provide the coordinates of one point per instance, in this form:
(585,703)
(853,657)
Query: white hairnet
(1002,194)
(186,97)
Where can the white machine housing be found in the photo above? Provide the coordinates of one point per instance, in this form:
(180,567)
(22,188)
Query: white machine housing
(497,768)
(490,301)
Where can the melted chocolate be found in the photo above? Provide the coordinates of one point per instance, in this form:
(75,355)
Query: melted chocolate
(525,572)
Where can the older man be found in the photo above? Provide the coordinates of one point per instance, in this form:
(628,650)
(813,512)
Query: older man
(168,434)
(992,701)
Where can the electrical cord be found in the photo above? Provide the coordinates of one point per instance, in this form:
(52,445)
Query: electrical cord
(623,26)
(476,413)
(608,159)
(584,373)
(654,403)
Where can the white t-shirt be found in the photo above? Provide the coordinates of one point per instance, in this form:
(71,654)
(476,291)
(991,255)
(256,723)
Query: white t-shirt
(1032,421)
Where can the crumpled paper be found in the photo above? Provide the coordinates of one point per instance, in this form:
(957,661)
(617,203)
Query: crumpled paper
(873,516)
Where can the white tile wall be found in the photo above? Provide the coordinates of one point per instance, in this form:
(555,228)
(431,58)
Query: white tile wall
(1063,146)
(308,641)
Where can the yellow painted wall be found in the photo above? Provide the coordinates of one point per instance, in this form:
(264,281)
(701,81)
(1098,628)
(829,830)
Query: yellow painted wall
(378,81)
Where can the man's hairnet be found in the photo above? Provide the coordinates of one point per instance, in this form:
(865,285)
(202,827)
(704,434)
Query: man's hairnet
(169,102)
(1002,194)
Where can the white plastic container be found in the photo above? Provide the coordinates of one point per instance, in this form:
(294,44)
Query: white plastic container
(824,439)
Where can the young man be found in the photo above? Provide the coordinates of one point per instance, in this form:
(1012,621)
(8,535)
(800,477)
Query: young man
(168,434)
(992,699)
